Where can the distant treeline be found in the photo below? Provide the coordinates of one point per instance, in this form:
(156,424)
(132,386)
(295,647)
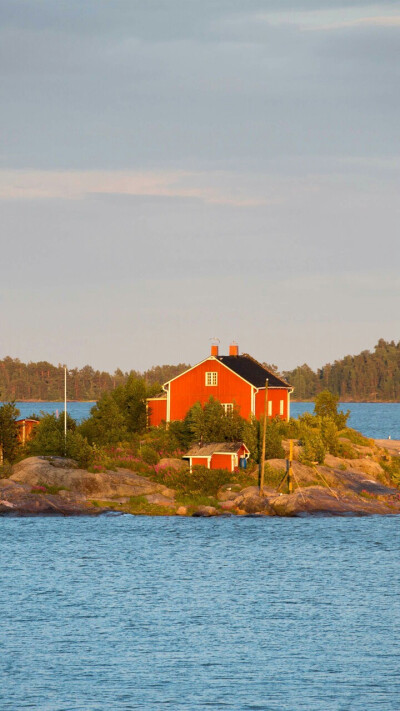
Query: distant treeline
(44,381)
(365,377)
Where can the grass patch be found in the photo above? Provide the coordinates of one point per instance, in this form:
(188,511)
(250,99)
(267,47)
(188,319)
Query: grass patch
(392,470)
(139,506)
(356,437)
(273,477)
(50,488)
(201,481)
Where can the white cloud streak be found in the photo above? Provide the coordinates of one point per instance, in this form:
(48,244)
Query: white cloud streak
(384,21)
(72,185)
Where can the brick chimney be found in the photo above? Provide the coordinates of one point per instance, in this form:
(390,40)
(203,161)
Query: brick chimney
(214,350)
(234,349)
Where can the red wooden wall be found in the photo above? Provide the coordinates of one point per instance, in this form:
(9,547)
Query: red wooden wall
(190,388)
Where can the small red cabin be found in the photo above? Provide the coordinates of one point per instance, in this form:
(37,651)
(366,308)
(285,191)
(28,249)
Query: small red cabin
(235,380)
(217,455)
(25,428)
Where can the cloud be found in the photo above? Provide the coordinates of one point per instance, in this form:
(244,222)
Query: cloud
(383,21)
(72,185)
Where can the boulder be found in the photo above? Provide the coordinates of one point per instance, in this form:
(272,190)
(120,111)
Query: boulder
(205,511)
(317,500)
(182,511)
(99,485)
(257,504)
(18,499)
(363,464)
(160,500)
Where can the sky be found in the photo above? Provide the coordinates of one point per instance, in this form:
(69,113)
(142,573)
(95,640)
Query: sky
(173,171)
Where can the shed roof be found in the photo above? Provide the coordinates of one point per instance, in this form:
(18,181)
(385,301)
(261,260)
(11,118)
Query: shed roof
(252,371)
(206,450)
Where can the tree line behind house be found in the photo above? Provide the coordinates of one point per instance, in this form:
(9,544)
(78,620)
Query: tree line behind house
(368,376)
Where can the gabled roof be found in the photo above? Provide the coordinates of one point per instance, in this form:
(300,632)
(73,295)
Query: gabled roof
(206,450)
(252,371)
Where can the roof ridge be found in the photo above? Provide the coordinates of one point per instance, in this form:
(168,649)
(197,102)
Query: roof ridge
(267,370)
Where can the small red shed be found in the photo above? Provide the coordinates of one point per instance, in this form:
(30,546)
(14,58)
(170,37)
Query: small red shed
(217,455)
(25,429)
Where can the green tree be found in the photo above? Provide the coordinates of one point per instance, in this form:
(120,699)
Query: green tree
(48,440)
(106,424)
(9,414)
(131,400)
(326,406)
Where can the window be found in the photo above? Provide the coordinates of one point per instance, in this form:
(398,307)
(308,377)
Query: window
(228,407)
(270,408)
(281,407)
(211,378)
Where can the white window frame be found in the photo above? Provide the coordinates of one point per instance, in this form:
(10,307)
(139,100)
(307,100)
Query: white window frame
(281,407)
(211,378)
(228,407)
(269,408)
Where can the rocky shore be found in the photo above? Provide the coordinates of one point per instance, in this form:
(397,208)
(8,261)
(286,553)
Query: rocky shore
(339,487)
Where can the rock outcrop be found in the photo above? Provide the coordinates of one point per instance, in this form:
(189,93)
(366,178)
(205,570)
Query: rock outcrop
(339,487)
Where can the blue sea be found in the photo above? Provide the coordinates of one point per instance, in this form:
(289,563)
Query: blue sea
(379,420)
(121,613)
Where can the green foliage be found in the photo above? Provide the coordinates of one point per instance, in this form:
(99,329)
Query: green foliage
(392,469)
(273,440)
(149,455)
(201,481)
(356,437)
(48,439)
(326,406)
(106,424)
(329,435)
(9,413)
(345,449)
(368,376)
(211,424)
(314,449)
(44,381)
(272,476)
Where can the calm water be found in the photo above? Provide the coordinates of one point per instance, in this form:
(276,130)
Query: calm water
(372,419)
(236,614)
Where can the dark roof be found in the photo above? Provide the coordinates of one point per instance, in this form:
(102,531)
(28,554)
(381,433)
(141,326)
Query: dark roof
(205,450)
(252,371)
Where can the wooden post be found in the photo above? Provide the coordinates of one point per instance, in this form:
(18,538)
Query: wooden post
(263,440)
(290,471)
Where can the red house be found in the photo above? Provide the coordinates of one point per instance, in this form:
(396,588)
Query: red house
(217,455)
(235,380)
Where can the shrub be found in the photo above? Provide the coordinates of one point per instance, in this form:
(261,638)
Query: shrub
(9,431)
(149,455)
(326,406)
(48,439)
(329,435)
(313,446)
(273,441)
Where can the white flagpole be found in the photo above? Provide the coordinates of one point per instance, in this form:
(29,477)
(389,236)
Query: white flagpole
(65,410)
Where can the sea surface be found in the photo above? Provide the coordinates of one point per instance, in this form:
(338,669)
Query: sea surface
(117,613)
(379,420)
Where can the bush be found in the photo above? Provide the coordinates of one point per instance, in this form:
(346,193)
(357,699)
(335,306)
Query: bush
(326,406)
(201,481)
(48,440)
(273,441)
(329,435)
(9,431)
(149,455)
(313,447)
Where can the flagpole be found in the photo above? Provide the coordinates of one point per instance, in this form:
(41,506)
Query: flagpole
(65,410)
